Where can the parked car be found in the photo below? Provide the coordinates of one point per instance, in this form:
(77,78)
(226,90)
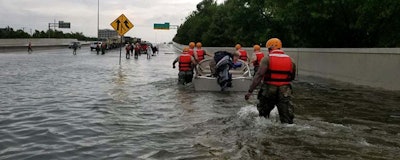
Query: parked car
(74,43)
(93,45)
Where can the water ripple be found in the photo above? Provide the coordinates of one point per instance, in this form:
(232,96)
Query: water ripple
(57,106)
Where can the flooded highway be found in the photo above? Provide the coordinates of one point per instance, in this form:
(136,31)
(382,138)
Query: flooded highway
(54,105)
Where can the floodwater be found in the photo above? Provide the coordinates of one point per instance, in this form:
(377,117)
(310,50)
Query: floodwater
(54,105)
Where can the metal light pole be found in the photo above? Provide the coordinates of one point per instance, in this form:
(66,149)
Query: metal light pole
(98,11)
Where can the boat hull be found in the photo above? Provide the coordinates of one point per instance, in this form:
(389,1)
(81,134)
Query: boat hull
(210,84)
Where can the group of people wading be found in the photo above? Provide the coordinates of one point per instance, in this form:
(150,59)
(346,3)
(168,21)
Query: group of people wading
(274,70)
(187,61)
(136,49)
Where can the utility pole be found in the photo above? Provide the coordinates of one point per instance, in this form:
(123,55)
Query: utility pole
(98,18)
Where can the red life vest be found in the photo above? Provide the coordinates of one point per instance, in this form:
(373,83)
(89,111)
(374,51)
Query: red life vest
(191,52)
(259,56)
(200,54)
(280,69)
(185,62)
(243,55)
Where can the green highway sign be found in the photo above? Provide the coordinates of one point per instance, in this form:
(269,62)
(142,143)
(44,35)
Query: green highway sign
(62,24)
(164,26)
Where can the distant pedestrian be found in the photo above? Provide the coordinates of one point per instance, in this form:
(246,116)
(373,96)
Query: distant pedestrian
(103,48)
(30,47)
(131,48)
(154,49)
(97,48)
(74,47)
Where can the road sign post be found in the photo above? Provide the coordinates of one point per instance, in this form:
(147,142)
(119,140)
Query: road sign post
(60,24)
(121,25)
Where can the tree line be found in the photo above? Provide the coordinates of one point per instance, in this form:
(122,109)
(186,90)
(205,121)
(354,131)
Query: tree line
(307,23)
(9,32)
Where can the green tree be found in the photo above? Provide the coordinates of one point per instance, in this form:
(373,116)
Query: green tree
(311,23)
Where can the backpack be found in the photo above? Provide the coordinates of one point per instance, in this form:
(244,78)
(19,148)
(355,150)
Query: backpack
(221,54)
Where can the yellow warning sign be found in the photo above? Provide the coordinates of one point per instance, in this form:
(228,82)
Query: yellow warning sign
(122,25)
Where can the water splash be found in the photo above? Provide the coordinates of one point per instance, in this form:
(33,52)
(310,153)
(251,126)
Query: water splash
(249,116)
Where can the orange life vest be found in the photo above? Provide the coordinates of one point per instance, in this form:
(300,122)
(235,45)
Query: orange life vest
(185,62)
(191,52)
(243,55)
(200,54)
(280,69)
(259,56)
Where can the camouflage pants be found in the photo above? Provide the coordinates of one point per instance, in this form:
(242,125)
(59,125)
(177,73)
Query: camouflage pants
(255,70)
(185,77)
(270,95)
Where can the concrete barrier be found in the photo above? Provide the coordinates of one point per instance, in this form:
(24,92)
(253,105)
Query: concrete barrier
(374,67)
(10,45)
(35,42)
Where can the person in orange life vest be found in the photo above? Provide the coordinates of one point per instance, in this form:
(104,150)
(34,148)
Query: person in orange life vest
(137,49)
(200,53)
(257,56)
(128,49)
(242,52)
(277,70)
(186,63)
(191,48)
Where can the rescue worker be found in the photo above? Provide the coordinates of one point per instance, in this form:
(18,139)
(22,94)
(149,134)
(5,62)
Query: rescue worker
(200,53)
(186,64)
(257,56)
(137,50)
(278,70)
(191,48)
(128,49)
(242,52)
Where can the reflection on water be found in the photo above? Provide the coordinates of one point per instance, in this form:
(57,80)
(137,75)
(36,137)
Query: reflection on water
(119,92)
(57,106)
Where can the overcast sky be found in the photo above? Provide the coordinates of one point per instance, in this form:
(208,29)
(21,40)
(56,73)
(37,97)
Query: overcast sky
(31,15)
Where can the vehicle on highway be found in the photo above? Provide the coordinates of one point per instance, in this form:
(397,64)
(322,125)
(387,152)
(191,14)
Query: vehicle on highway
(93,45)
(74,43)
